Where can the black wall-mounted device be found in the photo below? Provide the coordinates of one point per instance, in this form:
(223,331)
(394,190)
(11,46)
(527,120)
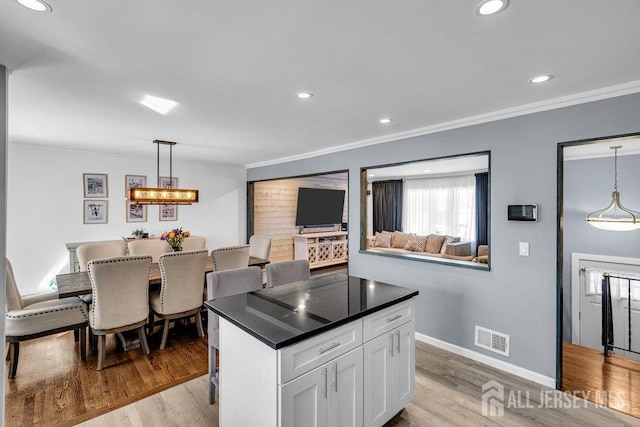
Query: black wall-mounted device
(522,212)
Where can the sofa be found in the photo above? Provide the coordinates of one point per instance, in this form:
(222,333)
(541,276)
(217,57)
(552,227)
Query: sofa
(433,245)
(483,255)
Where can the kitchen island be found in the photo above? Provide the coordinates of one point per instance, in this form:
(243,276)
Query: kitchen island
(331,350)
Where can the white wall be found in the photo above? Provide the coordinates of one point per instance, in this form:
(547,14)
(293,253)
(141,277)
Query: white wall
(45,205)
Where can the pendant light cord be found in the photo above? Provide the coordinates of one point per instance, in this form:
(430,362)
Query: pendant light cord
(615,169)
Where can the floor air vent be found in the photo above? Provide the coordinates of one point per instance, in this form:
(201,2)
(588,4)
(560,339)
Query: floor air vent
(492,340)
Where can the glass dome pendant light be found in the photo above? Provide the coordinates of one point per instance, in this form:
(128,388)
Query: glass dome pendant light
(615,217)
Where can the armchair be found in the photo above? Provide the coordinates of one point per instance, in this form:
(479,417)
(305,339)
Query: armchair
(39,315)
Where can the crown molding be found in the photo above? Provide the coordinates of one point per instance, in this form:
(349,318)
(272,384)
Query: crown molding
(536,107)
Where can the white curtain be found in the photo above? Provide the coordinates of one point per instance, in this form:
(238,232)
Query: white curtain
(619,286)
(440,206)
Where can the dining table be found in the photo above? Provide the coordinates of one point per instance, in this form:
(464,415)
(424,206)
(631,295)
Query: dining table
(78,283)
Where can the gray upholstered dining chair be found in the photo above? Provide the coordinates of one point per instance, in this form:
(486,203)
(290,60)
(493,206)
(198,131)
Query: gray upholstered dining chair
(120,288)
(181,290)
(151,247)
(194,243)
(260,246)
(280,273)
(223,284)
(89,251)
(230,257)
(38,315)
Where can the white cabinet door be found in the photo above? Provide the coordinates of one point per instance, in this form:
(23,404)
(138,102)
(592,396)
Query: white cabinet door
(330,395)
(402,367)
(389,380)
(304,400)
(345,390)
(377,372)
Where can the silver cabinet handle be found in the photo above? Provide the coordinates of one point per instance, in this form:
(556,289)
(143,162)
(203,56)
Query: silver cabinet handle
(391,336)
(394,318)
(398,344)
(334,368)
(323,372)
(331,347)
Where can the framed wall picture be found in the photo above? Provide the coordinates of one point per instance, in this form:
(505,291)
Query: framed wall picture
(165,182)
(168,212)
(95,211)
(95,185)
(133,181)
(136,212)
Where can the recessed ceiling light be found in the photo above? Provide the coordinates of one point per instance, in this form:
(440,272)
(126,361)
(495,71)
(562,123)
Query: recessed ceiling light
(427,170)
(159,105)
(491,7)
(385,120)
(37,5)
(541,78)
(304,95)
(371,175)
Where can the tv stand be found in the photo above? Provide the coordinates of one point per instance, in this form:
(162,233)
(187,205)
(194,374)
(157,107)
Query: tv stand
(321,249)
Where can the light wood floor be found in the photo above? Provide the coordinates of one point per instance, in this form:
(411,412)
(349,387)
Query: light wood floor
(586,370)
(448,393)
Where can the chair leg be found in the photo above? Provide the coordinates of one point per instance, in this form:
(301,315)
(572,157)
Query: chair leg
(165,334)
(101,351)
(93,342)
(199,324)
(83,343)
(213,381)
(14,352)
(142,335)
(150,322)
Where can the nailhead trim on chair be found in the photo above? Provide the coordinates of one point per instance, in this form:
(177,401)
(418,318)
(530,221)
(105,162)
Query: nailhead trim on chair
(23,316)
(163,274)
(110,261)
(225,249)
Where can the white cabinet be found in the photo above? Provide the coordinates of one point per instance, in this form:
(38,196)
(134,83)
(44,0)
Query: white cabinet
(330,395)
(389,366)
(357,374)
(321,249)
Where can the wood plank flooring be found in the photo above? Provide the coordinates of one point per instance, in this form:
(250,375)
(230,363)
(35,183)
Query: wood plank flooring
(614,381)
(448,393)
(54,387)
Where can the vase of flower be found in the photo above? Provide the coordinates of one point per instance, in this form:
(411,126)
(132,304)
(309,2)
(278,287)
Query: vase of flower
(175,238)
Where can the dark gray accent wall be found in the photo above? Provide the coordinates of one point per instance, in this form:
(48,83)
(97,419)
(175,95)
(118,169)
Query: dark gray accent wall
(588,185)
(518,295)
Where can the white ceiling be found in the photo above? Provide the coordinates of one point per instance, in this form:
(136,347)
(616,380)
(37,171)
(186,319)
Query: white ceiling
(234,67)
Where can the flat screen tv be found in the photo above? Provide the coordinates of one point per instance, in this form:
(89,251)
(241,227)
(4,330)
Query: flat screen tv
(319,207)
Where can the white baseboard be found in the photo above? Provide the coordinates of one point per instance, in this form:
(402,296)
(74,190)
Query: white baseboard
(490,361)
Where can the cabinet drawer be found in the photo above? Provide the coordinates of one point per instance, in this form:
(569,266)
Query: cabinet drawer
(304,356)
(388,319)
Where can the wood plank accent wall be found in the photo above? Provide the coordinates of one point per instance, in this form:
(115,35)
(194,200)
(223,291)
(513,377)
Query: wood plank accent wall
(275,204)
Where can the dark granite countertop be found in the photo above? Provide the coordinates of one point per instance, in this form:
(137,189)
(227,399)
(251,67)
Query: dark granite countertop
(290,313)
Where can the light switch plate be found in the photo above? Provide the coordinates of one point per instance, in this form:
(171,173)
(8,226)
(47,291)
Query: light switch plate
(524,249)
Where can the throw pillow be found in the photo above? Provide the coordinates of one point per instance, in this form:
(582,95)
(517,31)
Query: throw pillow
(434,243)
(399,239)
(383,240)
(447,240)
(416,243)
